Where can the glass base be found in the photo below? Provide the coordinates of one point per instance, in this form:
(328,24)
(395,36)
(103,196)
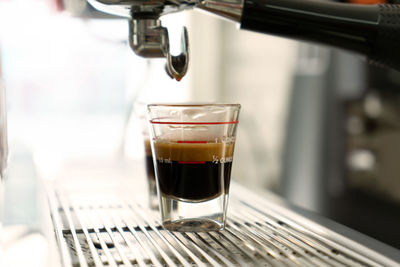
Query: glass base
(193,225)
(188,216)
(153,198)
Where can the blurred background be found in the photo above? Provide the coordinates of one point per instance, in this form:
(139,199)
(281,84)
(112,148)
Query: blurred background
(71,83)
(318,126)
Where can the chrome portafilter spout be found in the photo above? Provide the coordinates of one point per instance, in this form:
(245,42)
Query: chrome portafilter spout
(149,39)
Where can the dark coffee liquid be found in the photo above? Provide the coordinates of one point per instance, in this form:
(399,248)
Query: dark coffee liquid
(149,160)
(150,167)
(193,181)
(193,170)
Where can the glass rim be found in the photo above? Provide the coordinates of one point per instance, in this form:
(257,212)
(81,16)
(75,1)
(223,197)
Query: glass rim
(164,120)
(158,121)
(183,105)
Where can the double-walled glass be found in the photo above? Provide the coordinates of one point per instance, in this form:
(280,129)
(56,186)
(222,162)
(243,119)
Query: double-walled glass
(193,149)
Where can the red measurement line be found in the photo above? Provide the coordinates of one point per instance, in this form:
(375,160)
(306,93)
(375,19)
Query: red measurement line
(191,162)
(192,142)
(195,123)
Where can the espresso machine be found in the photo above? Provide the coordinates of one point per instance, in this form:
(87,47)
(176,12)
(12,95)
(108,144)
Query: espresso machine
(108,227)
(371,30)
(368,30)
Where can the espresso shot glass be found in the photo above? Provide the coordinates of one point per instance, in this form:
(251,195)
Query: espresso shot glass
(192,148)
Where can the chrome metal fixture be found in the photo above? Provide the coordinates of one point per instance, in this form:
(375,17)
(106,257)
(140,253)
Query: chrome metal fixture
(149,39)
(110,228)
(370,30)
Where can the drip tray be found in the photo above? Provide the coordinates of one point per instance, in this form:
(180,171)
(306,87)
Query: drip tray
(115,229)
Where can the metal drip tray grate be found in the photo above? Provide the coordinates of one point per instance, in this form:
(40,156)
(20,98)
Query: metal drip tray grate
(98,229)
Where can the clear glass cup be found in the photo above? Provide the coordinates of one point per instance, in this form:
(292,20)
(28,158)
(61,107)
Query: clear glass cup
(193,147)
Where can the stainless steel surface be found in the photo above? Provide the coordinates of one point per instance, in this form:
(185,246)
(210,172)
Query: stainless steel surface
(149,39)
(229,9)
(114,228)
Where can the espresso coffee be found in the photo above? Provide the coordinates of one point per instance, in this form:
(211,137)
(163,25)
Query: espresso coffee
(149,160)
(150,167)
(150,174)
(193,171)
(193,181)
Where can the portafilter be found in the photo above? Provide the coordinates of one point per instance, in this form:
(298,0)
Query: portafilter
(370,30)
